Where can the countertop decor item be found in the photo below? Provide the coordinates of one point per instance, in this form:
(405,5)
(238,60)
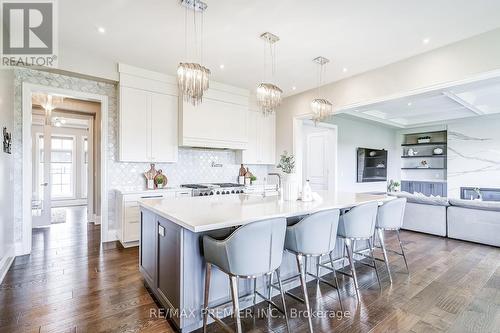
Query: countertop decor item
(160,179)
(290,184)
(7,141)
(150,176)
(193,78)
(269,94)
(321,107)
(307,194)
(393,186)
(438,151)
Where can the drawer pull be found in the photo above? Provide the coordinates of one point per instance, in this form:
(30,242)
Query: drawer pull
(151,196)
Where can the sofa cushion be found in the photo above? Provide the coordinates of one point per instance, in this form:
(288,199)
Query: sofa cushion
(476,204)
(422,199)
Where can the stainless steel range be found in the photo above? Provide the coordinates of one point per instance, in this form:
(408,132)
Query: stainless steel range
(200,190)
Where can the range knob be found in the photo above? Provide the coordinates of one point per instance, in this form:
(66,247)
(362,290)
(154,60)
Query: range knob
(201,194)
(205,193)
(217,192)
(212,193)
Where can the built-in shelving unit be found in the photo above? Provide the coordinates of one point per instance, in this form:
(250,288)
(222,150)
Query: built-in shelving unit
(424,163)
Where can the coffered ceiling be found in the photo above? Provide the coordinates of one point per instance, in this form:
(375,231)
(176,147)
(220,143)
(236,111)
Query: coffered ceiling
(468,100)
(356,35)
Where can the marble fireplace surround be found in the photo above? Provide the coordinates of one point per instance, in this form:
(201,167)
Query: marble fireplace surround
(193,166)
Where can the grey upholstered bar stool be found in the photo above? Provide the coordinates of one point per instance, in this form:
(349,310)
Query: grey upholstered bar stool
(390,218)
(252,251)
(358,224)
(314,236)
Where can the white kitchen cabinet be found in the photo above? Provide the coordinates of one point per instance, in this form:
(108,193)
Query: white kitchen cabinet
(218,122)
(134,132)
(128,215)
(261,131)
(148,116)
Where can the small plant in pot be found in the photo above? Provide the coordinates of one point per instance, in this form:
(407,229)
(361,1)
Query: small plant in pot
(290,185)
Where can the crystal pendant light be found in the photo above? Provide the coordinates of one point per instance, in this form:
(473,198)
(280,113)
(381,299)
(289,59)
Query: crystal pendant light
(193,78)
(269,94)
(321,107)
(48,103)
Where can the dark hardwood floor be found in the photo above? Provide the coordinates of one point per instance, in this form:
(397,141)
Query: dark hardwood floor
(72,284)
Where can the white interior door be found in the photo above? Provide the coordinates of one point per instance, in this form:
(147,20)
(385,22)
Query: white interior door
(41,199)
(317,160)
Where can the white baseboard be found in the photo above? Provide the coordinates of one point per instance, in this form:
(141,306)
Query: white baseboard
(5,262)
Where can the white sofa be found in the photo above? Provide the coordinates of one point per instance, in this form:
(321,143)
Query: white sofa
(424,214)
(475,221)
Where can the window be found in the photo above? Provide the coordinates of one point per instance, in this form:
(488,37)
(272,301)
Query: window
(61,167)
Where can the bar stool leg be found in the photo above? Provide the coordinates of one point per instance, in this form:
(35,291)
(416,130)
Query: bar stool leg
(370,243)
(254,294)
(343,256)
(270,289)
(348,247)
(402,251)
(208,272)
(380,233)
(302,271)
(318,262)
(336,281)
(236,302)
(283,298)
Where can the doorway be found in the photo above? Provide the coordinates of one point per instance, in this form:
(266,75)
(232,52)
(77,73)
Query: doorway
(62,158)
(315,150)
(64,135)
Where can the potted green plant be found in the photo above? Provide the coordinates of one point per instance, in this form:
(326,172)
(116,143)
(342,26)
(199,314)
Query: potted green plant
(290,184)
(393,186)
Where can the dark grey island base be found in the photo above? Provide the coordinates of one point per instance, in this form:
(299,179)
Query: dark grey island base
(173,267)
(171,258)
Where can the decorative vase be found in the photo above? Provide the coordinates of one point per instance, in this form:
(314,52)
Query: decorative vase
(290,187)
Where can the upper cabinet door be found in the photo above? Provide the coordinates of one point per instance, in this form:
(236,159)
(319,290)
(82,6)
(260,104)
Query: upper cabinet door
(164,122)
(134,108)
(261,139)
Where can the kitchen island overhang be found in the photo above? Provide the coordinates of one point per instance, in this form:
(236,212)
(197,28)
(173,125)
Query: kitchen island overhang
(171,258)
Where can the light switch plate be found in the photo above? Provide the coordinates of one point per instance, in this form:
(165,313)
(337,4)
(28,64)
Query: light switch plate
(161,231)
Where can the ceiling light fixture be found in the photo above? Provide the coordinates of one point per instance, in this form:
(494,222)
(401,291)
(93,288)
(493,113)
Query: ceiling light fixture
(101,30)
(48,103)
(344,69)
(193,78)
(294,88)
(221,66)
(321,107)
(269,94)
(410,103)
(426,41)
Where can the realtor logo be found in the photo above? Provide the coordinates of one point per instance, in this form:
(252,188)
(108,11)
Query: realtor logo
(29,33)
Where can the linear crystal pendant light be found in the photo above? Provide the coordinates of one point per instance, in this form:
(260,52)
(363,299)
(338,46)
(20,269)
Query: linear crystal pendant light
(269,94)
(193,78)
(321,108)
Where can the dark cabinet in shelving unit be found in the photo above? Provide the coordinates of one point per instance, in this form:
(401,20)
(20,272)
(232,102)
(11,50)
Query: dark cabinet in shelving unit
(372,165)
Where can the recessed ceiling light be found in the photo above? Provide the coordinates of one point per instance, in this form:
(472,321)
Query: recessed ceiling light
(101,30)
(294,88)
(344,69)
(410,103)
(221,66)
(426,41)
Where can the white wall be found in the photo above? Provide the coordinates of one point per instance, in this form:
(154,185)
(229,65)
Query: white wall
(6,169)
(353,134)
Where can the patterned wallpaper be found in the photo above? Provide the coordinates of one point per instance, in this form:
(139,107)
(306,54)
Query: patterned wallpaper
(193,166)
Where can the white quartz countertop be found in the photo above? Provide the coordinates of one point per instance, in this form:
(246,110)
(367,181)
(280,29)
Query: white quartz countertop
(160,190)
(199,214)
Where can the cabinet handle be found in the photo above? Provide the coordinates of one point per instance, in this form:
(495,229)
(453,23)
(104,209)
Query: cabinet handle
(151,196)
(161,231)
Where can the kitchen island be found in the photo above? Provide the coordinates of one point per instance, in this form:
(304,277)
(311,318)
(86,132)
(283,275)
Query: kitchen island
(171,258)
